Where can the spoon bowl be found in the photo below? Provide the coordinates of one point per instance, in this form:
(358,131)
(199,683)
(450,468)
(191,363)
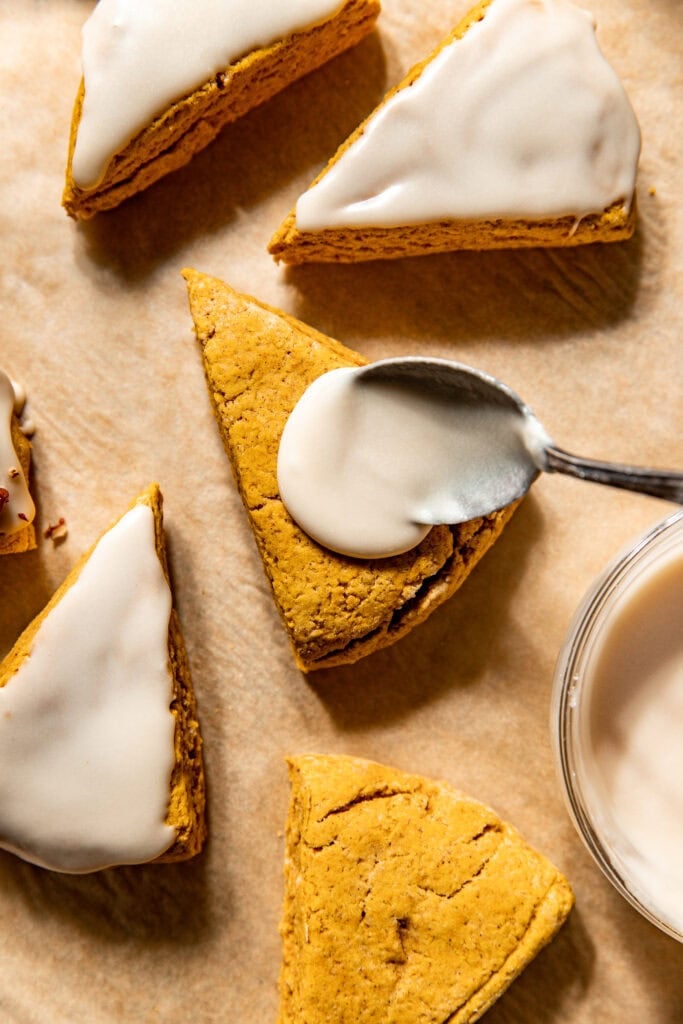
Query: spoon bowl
(373,457)
(464,383)
(446,377)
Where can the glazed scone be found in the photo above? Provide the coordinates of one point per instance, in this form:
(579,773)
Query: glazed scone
(405,900)
(17,510)
(258,362)
(514,132)
(100,749)
(164,107)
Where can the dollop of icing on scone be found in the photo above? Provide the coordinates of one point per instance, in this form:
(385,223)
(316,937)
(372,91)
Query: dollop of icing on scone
(139,58)
(368,465)
(86,731)
(521,117)
(16,505)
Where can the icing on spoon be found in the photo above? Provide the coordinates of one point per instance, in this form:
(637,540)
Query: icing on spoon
(372,457)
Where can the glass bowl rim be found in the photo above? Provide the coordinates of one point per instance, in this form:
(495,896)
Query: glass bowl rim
(593,610)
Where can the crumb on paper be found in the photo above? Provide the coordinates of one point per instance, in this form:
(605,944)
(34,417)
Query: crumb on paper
(13,472)
(56,531)
(652,191)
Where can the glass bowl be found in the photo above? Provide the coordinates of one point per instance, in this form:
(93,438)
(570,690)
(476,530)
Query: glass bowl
(577,704)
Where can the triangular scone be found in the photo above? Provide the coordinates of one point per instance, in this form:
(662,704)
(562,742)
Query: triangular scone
(100,749)
(514,132)
(24,539)
(188,124)
(405,900)
(258,362)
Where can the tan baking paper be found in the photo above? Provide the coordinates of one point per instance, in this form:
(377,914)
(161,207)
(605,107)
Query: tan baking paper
(95,324)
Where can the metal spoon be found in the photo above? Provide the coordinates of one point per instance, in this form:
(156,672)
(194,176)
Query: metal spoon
(452,379)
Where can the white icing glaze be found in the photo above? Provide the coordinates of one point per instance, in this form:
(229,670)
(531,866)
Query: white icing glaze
(19,396)
(633,735)
(520,118)
(19,508)
(367,466)
(139,58)
(86,733)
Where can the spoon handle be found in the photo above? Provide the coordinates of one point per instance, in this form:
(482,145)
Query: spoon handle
(659,483)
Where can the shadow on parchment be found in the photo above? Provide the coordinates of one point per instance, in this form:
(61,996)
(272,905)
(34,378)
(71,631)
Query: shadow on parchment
(165,904)
(525,294)
(26,589)
(292,134)
(559,974)
(437,660)
(654,956)
(24,581)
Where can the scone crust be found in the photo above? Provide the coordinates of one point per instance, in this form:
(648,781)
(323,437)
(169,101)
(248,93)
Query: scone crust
(186,808)
(187,803)
(405,900)
(22,540)
(258,362)
(352,245)
(193,122)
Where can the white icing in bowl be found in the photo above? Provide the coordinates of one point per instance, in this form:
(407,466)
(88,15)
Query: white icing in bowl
(617,724)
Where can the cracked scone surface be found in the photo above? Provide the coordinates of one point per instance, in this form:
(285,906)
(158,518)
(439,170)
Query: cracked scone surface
(258,362)
(405,900)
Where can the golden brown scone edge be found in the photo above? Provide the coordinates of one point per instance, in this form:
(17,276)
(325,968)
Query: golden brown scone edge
(258,361)
(404,898)
(23,540)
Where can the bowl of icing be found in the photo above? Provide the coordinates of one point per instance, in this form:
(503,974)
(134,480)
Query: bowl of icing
(617,723)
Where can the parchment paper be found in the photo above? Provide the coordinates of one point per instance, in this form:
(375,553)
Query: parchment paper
(95,323)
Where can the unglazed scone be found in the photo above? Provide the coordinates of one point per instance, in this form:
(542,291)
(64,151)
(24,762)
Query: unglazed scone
(171,107)
(405,900)
(514,132)
(100,749)
(17,510)
(258,362)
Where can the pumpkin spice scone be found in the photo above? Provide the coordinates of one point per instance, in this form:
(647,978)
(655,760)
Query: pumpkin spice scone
(161,80)
(17,510)
(514,132)
(100,749)
(406,902)
(336,609)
